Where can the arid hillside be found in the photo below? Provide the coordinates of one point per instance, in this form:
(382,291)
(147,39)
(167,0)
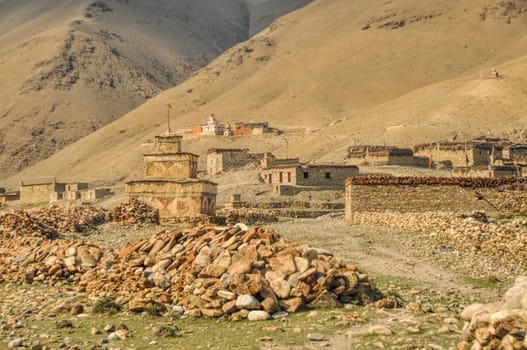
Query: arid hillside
(70,67)
(342,72)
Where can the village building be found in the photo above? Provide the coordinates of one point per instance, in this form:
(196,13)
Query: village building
(39,190)
(494,171)
(171,183)
(49,190)
(291,179)
(6,197)
(269,160)
(249,129)
(78,191)
(461,154)
(220,160)
(212,127)
(384,155)
(515,153)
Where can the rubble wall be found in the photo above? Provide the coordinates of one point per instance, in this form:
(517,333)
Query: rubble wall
(401,197)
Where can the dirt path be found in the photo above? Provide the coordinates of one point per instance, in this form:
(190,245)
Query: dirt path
(387,253)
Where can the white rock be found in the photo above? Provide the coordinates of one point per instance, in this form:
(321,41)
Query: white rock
(225,294)
(258,315)
(280,314)
(470,311)
(248,302)
(15,343)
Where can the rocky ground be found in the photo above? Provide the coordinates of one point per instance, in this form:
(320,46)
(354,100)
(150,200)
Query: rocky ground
(429,284)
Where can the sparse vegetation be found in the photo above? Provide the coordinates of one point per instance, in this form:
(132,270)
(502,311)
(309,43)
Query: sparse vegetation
(106,306)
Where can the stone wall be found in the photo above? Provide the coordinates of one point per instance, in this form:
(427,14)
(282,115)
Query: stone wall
(424,197)
(219,161)
(175,198)
(176,166)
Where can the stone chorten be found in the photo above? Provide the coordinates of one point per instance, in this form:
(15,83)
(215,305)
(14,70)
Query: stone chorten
(171,183)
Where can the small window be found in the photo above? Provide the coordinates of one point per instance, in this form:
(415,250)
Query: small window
(328,175)
(306,175)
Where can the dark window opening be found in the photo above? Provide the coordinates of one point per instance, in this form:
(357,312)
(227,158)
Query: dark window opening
(328,175)
(306,175)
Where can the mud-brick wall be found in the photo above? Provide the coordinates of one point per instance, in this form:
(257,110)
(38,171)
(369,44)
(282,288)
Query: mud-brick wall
(423,198)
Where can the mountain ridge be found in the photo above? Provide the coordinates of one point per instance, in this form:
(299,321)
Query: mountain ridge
(398,72)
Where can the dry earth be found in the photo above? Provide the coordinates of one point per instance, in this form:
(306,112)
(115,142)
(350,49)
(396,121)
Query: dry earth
(432,287)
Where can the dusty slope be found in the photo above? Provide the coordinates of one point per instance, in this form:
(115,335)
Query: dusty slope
(348,72)
(71,66)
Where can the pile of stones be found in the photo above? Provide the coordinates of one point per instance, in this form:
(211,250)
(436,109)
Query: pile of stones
(498,325)
(28,259)
(48,222)
(20,224)
(135,213)
(247,216)
(82,218)
(233,272)
(505,242)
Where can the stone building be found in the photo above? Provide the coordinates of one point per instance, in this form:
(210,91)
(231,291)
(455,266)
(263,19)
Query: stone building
(212,127)
(516,153)
(220,160)
(39,191)
(9,197)
(170,183)
(269,160)
(249,129)
(461,154)
(494,171)
(290,179)
(384,155)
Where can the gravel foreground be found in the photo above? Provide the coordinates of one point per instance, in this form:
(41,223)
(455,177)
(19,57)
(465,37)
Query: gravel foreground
(430,284)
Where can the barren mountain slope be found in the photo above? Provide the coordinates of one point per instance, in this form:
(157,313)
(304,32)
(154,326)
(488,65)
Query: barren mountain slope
(347,72)
(69,67)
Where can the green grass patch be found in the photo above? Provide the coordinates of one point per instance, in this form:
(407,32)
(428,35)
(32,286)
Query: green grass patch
(487,282)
